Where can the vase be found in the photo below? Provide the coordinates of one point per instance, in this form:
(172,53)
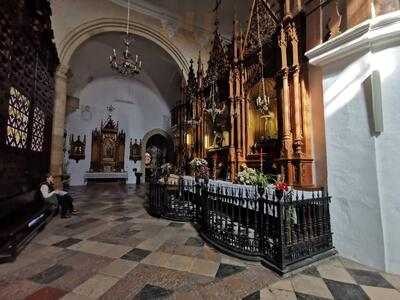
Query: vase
(197,179)
(206,180)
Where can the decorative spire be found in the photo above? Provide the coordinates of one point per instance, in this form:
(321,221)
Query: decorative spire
(200,71)
(235,38)
(191,82)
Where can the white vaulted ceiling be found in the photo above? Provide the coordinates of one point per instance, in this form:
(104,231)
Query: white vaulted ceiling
(91,61)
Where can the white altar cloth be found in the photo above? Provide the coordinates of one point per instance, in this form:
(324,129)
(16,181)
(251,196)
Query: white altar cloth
(105,175)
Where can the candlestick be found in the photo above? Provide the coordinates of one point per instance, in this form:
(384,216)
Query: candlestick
(261,159)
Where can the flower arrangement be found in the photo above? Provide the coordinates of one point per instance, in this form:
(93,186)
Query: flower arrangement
(250,176)
(199,167)
(281,186)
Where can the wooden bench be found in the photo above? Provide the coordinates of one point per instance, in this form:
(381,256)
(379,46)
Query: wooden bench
(21,218)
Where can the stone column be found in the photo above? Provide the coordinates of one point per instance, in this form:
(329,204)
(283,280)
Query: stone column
(57,140)
(298,134)
(287,136)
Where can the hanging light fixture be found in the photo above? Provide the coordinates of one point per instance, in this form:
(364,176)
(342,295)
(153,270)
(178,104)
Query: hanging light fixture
(262,101)
(126,64)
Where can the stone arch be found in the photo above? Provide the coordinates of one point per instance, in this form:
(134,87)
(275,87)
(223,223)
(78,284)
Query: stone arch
(86,30)
(146,138)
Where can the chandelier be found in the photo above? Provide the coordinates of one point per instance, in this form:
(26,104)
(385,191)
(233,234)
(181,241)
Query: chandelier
(262,101)
(126,64)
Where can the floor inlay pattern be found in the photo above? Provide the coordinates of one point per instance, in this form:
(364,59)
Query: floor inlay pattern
(114,250)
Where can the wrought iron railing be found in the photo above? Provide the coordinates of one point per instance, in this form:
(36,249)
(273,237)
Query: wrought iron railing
(284,232)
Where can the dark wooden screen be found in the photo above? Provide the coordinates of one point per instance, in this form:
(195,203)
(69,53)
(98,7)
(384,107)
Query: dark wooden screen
(28,59)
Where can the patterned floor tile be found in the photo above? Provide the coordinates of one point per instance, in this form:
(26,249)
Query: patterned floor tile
(301,296)
(123,219)
(176,224)
(334,273)
(51,274)
(363,277)
(311,285)
(271,294)
(100,248)
(136,254)
(18,289)
(171,257)
(179,263)
(394,280)
(119,268)
(47,293)
(159,259)
(50,240)
(226,270)
(81,224)
(73,296)
(195,241)
(377,293)
(96,286)
(67,242)
(150,292)
(204,267)
(312,271)
(345,291)
(253,296)
(284,284)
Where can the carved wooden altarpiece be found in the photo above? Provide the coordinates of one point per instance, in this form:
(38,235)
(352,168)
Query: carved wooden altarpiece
(108,148)
(262,80)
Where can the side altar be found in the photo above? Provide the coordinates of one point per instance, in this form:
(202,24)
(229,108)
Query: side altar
(108,153)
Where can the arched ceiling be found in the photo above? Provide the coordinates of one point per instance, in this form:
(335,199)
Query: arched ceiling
(196,14)
(91,61)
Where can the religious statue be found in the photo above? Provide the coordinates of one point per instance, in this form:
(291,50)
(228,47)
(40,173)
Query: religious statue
(270,127)
(218,140)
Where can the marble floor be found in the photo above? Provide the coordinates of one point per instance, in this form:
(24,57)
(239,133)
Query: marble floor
(115,250)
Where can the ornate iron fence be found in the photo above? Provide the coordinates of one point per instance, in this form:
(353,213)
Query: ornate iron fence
(173,202)
(284,232)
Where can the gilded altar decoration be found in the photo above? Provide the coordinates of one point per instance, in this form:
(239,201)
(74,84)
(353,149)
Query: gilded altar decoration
(108,147)
(135,150)
(77,147)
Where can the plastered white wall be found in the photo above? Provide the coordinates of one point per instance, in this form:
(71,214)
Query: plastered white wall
(138,109)
(363,163)
(352,165)
(388,145)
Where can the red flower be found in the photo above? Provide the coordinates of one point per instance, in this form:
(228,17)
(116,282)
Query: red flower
(281,186)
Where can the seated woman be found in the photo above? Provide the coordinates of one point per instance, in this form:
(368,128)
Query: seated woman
(62,198)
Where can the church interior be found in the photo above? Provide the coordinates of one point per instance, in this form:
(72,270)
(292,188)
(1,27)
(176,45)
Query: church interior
(214,149)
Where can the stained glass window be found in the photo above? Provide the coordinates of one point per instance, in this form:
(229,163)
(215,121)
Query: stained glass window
(38,130)
(18,116)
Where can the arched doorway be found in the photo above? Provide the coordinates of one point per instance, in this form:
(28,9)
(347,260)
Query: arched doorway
(159,144)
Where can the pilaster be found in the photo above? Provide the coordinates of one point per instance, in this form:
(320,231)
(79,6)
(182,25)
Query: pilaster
(57,141)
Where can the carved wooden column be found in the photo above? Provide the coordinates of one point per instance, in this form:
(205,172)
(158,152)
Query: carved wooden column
(298,134)
(238,114)
(286,151)
(57,140)
(287,8)
(232,126)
